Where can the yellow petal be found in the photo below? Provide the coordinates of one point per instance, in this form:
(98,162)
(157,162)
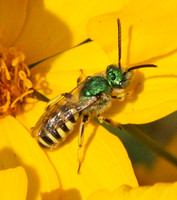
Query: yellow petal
(141,39)
(153,94)
(152,89)
(161,171)
(147,92)
(59,74)
(13,184)
(54,26)
(160,191)
(105,165)
(19,148)
(12,19)
(100,194)
(29,113)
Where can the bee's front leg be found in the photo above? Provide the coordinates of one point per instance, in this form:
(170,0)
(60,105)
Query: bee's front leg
(120,96)
(84,119)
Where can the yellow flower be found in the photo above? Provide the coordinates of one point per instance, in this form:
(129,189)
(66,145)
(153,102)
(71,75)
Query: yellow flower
(148,36)
(158,191)
(42,30)
(31,32)
(146,40)
(10,187)
(100,145)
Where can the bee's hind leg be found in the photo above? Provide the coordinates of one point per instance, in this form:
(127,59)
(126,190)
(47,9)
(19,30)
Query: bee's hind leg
(105,120)
(102,119)
(84,119)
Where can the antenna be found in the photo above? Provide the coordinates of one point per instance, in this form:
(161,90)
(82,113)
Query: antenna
(119,43)
(119,52)
(140,66)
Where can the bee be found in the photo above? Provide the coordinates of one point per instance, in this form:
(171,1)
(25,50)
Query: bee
(90,98)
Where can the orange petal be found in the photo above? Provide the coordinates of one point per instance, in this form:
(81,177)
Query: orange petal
(54,26)
(19,148)
(12,19)
(13,184)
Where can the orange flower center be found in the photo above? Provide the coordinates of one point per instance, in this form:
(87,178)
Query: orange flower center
(14,82)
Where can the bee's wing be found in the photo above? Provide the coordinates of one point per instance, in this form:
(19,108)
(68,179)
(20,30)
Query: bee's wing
(63,98)
(50,108)
(78,107)
(71,105)
(71,100)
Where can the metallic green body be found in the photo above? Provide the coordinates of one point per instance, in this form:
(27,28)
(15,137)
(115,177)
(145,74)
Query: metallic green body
(94,86)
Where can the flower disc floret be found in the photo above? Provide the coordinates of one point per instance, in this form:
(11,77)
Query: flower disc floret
(14,79)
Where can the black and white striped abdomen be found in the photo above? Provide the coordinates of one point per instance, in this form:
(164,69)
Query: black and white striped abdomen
(57,126)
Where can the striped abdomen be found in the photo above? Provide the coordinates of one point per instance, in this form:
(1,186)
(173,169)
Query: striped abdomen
(57,126)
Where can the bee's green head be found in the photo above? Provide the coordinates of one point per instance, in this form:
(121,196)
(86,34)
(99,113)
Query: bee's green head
(117,78)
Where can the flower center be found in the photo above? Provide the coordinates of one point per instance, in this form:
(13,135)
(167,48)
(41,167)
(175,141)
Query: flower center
(14,82)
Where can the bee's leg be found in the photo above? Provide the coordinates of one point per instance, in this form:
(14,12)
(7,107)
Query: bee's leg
(56,99)
(84,119)
(120,96)
(81,77)
(107,121)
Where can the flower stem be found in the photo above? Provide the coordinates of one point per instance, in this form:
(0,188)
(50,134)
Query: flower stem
(142,137)
(149,142)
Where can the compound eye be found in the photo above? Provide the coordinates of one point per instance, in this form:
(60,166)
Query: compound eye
(113,76)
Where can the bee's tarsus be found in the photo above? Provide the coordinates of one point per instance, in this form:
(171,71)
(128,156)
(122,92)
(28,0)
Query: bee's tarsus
(79,167)
(67,95)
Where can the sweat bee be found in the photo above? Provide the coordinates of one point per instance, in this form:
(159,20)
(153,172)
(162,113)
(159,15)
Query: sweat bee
(90,98)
